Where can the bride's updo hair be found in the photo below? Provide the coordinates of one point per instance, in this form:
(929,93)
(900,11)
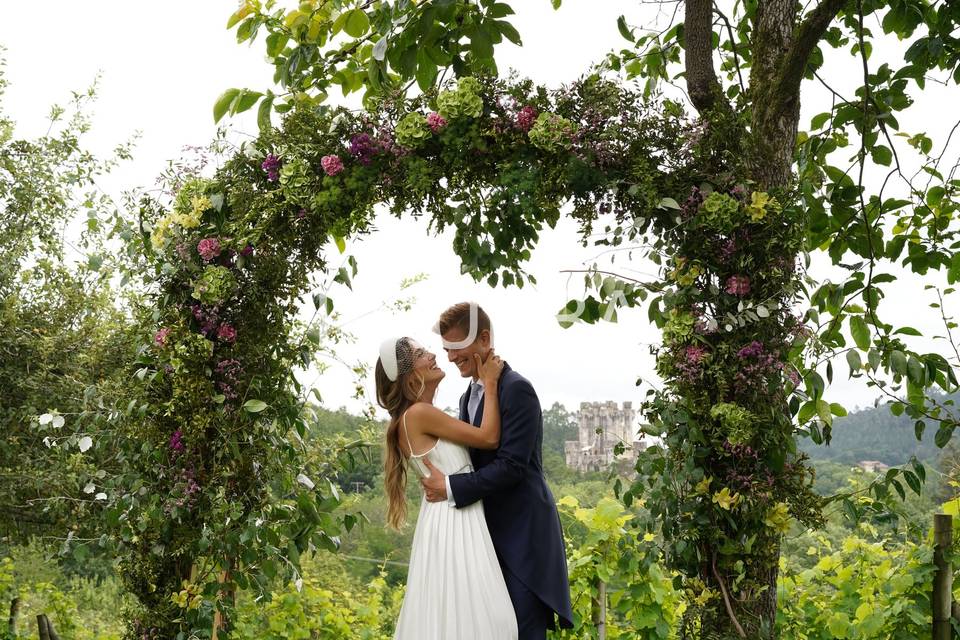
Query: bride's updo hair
(396,396)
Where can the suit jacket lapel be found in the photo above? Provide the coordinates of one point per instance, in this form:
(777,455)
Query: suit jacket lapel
(464,416)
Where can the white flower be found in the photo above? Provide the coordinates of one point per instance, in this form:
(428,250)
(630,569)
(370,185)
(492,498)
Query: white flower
(85,443)
(100,496)
(90,488)
(46,418)
(57,421)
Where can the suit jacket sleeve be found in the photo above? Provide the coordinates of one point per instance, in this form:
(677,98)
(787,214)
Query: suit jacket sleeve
(519,423)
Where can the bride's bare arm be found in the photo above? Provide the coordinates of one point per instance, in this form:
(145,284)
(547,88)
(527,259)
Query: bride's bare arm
(427,419)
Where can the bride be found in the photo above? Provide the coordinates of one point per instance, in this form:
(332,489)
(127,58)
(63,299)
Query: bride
(455,587)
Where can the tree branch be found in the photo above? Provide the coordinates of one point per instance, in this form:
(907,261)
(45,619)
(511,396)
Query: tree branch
(702,83)
(808,34)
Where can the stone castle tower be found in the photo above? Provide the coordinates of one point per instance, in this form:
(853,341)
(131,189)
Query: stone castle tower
(602,426)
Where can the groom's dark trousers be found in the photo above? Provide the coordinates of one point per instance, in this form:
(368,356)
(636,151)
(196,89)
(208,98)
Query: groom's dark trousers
(520,510)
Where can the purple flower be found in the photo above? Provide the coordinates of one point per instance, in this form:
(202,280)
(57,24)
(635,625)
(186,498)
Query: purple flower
(247,250)
(160,337)
(332,165)
(228,372)
(752,350)
(272,166)
(226,332)
(727,248)
(436,121)
(738,286)
(526,118)
(208,248)
(176,442)
(301,214)
(362,148)
(692,204)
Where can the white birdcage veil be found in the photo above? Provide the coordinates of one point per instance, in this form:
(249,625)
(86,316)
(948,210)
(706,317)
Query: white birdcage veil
(398,356)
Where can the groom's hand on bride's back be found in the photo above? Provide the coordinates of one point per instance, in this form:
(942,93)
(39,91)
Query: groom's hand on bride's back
(435,485)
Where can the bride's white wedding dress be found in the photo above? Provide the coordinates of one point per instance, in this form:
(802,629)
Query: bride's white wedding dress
(455,587)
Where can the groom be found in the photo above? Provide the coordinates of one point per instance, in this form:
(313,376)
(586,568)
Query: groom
(520,510)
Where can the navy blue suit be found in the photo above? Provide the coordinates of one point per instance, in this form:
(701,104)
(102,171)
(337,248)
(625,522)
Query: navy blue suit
(520,509)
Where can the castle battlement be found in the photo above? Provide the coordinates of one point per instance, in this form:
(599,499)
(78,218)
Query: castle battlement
(603,425)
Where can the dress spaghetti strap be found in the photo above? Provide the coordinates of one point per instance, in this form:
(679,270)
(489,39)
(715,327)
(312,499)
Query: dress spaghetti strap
(406,433)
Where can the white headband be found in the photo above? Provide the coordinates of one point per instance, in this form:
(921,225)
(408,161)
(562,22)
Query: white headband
(471,331)
(388,357)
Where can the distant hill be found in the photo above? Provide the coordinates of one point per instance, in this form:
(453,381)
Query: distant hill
(876,434)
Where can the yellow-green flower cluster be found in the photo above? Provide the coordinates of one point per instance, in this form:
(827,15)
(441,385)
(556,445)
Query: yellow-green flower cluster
(465,100)
(760,204)
(726,500)
(778,518)
(188,209)
(685,274)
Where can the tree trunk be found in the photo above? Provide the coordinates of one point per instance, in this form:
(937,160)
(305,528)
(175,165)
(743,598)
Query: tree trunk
(781,46)
(14,614)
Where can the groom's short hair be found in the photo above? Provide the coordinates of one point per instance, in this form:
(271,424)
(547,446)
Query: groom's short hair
(458,317)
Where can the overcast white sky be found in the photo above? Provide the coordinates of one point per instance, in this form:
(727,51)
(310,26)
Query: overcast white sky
(164,64)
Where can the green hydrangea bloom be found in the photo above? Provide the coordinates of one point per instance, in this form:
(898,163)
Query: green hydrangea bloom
(214,285)
(737,422)
(464,101)
(679,327)
(719,211)
(412,130)
(552,133)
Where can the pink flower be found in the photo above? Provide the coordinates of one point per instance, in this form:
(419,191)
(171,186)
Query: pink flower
(160,338)
(332,165)
(436,121)
(526,118)
(738,286)
(209,248)
(226,332)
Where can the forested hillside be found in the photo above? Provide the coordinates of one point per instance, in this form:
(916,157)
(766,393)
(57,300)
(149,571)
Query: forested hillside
(876,434)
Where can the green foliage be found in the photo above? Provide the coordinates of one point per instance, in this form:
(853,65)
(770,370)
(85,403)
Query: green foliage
(322,606)
(379,48)
(64,331)
(79,607)
(641,598)
(859,588)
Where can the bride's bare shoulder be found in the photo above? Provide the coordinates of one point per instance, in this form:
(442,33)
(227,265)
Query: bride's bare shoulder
(421,410)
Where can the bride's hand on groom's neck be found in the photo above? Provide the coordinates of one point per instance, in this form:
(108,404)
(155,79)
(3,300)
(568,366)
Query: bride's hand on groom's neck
(489,370)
